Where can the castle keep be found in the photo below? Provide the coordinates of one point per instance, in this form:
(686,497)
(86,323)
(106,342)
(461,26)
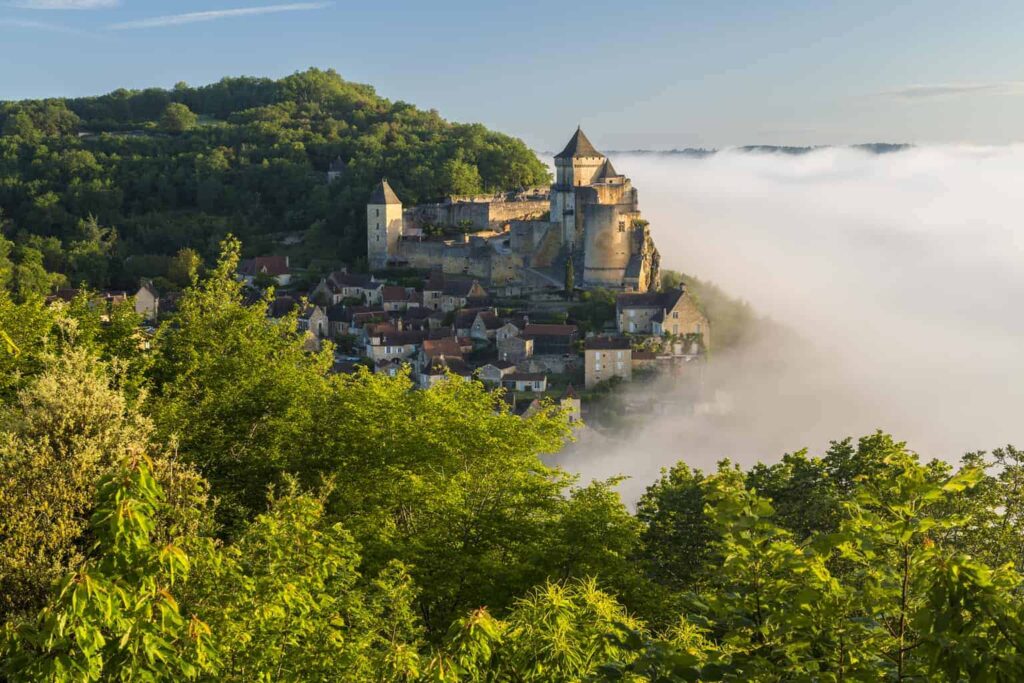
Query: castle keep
(589,216)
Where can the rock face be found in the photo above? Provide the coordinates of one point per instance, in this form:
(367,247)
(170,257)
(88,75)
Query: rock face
(593,218)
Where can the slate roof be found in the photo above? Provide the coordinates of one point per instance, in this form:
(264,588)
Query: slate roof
(607,343)
(402,338)
(665,300)
(361,280)
(458,287)
(383,194)
(607,171)
(540,330)
(579,146)
(452,364)
(281,306)
(270,265)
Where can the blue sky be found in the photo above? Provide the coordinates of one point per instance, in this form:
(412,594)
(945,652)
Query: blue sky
(635,74)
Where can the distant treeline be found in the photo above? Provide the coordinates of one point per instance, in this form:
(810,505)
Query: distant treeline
(161,170)
(701,152)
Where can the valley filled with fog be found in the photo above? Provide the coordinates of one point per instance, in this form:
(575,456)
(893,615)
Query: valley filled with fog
(898,278)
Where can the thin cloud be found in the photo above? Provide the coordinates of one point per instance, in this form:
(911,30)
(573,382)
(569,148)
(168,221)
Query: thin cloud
(213,15)
(65,4)
(37,26)
(949,90)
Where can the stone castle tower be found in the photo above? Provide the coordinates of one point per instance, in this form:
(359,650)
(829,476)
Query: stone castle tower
(575,166)
(383,225)
(599,213)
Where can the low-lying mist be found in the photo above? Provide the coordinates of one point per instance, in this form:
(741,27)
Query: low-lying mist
(901,277)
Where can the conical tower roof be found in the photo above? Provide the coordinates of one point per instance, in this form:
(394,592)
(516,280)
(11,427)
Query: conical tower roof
(607,171)
(383,194)
(579,146)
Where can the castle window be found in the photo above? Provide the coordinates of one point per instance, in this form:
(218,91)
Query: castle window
(622,226)
(378,211)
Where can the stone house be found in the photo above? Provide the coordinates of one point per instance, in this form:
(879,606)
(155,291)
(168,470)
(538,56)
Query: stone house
(147,301)
(509,329)
(341,285)
(456,294)
(552,339)
(447,347)
(392,345)
(607,357)
(485,326)
(392,368)
(571,403)
(395,298)
(466,317)
(441,367)
(535,382)
(661,313)
(274,267)
(515,349)
(313,319)
(495,372)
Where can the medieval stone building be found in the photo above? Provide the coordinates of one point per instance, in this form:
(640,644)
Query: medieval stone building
(593,218)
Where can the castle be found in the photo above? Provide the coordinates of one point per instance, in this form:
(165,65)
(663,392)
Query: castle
(590,217)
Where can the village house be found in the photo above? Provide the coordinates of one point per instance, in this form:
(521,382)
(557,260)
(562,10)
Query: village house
(441,367)
(571,403)
(607,357)
(515,349)
(485,325)
(341,286)
(313,319)
(436,348)
(281,305)
(457,293)
(466,317)
(433,288)
(552,339)
(272,267)
(535,382)
(495,372)
(395,298)
(511,327)
(147,301)
(392,367)
(405,345)
(661,313)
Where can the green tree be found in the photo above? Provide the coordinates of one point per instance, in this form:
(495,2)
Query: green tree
(287,602)
(178,118)
(63,433)
(570,280)
(184,267)
(115,617)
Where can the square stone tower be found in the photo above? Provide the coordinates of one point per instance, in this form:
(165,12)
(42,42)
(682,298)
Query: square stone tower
(383,225)
(578,165)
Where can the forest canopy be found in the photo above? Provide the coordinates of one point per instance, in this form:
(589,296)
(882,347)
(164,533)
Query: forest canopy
(161,170)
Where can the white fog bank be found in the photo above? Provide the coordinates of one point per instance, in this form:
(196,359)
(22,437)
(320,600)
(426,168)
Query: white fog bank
(904,273)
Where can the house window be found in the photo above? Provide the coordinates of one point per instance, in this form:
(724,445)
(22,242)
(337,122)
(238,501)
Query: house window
(632,313)
(597,367)
(675,329)
(622,226)
(675,314)
(618,354)
(618,366)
